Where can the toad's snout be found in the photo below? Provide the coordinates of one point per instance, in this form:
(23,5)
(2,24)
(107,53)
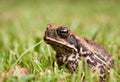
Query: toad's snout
(50,26)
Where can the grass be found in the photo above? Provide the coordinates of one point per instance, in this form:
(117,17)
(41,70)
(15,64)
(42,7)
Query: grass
(22,27)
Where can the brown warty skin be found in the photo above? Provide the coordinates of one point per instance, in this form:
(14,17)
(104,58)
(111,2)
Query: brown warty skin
(72,49)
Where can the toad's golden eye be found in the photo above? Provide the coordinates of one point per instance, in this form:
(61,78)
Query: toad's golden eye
(63,32)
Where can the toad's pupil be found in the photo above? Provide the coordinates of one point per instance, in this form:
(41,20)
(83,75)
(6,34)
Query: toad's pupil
(64,31)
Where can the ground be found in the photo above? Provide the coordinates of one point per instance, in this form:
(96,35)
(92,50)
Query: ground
(24,56)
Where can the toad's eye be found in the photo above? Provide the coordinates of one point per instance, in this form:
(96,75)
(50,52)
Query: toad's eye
(63,32)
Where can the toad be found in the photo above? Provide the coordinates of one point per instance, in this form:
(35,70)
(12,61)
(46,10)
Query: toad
(72,49)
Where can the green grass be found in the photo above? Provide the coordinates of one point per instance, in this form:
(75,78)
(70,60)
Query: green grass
(22,27)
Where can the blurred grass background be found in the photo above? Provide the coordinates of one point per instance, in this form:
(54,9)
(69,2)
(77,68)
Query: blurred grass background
(23,23)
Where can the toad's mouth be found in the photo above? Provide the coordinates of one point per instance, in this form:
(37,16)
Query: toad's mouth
(60,44)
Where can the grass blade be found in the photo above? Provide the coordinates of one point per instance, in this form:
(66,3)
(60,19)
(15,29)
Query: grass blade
(26,51)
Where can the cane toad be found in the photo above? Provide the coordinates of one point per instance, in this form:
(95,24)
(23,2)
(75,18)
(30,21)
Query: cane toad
(71,48)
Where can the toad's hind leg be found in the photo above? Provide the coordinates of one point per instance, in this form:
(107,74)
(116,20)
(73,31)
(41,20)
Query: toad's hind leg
(102,75)
(103,72)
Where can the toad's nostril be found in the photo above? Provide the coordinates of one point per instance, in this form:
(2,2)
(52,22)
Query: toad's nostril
(47,28)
